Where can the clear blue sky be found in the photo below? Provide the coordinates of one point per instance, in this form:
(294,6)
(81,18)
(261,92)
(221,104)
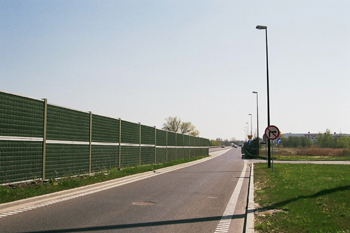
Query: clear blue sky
(143,61)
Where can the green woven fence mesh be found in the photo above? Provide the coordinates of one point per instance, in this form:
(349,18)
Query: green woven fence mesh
(105,129)
(20,160)
(129,156)
(67,125)
(66,160)
(104,157)
(68,138)
(161,155)
(171,139)
(20,116)
(147,135)
(130,132)
(161,138)
(147,155)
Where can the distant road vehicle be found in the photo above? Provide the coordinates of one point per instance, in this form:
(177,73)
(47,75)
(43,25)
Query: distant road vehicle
(223,146)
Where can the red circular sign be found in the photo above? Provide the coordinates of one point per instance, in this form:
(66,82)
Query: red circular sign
(272,132)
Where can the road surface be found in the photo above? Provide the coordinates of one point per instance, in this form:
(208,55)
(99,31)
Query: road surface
(208,197)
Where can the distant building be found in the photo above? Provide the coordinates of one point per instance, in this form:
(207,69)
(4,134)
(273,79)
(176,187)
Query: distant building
(312,136)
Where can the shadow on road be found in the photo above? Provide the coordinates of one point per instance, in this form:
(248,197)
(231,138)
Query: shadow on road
(146,224)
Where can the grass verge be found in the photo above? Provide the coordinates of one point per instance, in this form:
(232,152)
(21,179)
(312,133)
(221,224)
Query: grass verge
(302,198)
(309,154)
(35,188)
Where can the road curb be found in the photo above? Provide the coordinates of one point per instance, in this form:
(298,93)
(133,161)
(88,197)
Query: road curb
(249,228)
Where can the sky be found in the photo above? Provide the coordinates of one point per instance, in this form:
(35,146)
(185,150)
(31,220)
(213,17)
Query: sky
(199,60)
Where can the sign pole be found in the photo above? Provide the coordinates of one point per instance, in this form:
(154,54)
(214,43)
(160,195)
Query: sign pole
(271,133)
(272,156)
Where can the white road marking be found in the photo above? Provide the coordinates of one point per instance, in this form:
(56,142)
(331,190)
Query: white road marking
(225,221)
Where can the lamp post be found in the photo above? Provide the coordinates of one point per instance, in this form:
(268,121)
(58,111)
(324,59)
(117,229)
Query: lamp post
(257,117)
(251,124)
(257,112)
(247,130)
(260,27)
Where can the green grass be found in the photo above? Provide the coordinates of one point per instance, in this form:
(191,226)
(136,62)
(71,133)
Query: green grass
(309,154)
(315,198)
(309,158)
(36,188)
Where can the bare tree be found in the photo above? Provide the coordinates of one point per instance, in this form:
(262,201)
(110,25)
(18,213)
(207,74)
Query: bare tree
(172,124)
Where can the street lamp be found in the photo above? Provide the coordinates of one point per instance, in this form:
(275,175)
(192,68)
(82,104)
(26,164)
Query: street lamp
(247,131)
(251,124)
(257,116)
(257,112)
(260,27)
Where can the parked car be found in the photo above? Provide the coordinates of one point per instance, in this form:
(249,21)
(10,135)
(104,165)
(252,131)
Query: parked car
(223,146)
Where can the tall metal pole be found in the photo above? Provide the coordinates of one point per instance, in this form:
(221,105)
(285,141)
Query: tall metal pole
(251,124)
(268,94)
(247,130)
(257,113)
(257,118)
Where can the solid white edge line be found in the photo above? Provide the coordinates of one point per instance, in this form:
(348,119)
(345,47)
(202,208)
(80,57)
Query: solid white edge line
(225,221)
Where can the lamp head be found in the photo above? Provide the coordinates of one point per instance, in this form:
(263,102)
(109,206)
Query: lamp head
(255,92)
(260,27)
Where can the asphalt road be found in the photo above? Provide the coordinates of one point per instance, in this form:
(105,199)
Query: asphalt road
(190,199)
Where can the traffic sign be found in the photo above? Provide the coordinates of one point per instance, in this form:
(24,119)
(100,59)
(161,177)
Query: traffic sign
(250,136)
(272,132)
(279,141)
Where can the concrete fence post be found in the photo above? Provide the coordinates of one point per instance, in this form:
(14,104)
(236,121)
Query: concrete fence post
(155,144)
(175,146)
(120,144)
(90,142)
(44,140)
(166,146)
(140,143)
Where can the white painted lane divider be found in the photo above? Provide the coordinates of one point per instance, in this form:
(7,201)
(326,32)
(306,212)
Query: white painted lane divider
(226,219)
(20,206)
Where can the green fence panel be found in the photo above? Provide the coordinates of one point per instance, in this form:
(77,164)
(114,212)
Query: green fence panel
(180,153)
(104,157)
(20,116)
(171,154)
(68,136)
(161,155)
(129,156)
(180,140)
(186,140)
(105,129)
(186,152)
(66,159)
(147,155)
(67,125)
(130,132)
(161,137)
(171,139)
(20,160)
(192,152)
(147,135)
